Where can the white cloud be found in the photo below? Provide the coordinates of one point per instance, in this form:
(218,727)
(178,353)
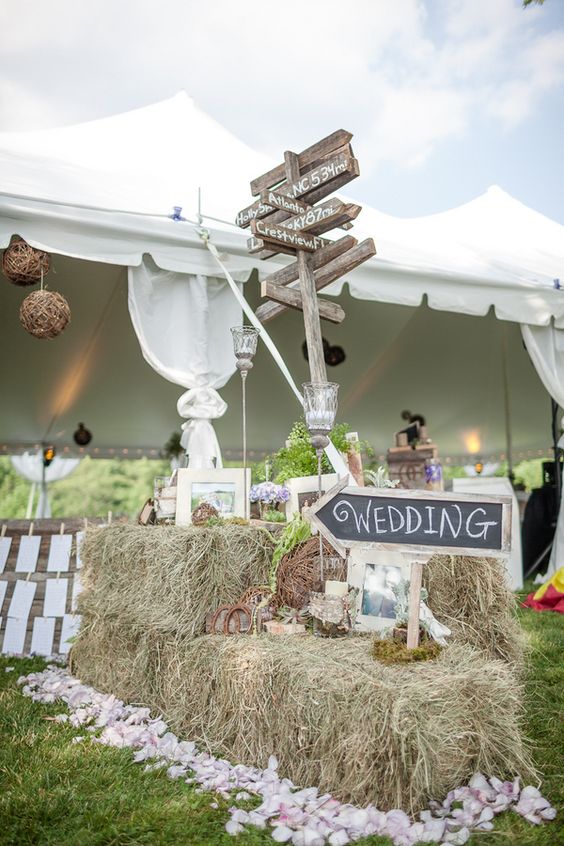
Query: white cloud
(404,76)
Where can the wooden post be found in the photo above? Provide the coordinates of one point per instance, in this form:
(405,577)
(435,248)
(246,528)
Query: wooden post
(415,582)
(308,290)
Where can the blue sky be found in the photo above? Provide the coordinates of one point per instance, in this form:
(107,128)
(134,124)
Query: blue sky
(445,97)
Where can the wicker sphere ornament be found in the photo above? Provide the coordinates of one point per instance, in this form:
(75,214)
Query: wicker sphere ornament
(24,265)
(299,572)
(44,314)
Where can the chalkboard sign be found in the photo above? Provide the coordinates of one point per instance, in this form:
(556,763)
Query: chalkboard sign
(421,521)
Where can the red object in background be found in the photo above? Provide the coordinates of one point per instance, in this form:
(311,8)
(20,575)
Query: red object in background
(550,596)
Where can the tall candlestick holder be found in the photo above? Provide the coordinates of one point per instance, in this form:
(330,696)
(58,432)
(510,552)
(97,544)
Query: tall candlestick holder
(320,409)
(245,340)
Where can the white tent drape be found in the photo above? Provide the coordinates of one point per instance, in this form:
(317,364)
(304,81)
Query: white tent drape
(30,466)
(545,345)
(182,322)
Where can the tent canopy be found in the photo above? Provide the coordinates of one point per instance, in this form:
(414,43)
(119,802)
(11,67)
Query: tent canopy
(100,194)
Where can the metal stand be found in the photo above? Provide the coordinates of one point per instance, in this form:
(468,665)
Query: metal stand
(244,400)
(319,494)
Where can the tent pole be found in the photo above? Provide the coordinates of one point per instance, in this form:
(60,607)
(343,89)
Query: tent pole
(507,411)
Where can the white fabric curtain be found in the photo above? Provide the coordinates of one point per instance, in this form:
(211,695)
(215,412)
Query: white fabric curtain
(30,466)
(545,345)
(182,323)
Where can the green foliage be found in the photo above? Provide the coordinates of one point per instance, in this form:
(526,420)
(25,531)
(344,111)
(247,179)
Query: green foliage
(172,448)
(299,458)
(96,487)
(274,516)
(529,473)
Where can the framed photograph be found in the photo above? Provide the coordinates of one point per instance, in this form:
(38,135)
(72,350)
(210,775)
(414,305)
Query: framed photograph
(374,573)
(304,491)
(226,490)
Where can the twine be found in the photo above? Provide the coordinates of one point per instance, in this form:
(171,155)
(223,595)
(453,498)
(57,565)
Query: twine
(44,314)
(24,265)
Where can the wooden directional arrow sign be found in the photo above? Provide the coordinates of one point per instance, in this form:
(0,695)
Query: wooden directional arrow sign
(286,219)
(342,262)
(414,521)
(287,237)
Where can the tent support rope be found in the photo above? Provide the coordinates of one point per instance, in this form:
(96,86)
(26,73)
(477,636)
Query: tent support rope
(331,451)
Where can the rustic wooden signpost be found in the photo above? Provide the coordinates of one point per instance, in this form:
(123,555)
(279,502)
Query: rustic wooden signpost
(419,523)
(286,219)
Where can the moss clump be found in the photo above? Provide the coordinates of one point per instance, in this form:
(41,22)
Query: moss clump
(395,652)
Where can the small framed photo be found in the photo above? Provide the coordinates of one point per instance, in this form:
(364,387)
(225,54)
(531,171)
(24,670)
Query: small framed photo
(227,490)
(374,573)
(304,491)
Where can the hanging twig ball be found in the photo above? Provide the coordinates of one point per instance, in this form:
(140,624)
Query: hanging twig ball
(23,265)
(44,314)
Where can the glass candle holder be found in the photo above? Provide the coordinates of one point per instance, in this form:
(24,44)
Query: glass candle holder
(320,409)
(245,340)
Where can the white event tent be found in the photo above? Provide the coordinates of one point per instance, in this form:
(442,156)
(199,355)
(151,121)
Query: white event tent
(453,296)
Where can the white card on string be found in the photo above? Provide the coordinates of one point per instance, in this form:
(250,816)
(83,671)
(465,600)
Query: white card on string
(5,544)
(55,603)
(14,637)
(79,539)
(22,597)
(42,637)
(28,553)
(59,553)
(76,589)
(70,627)
(3,589)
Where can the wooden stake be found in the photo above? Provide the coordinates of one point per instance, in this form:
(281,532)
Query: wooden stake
(308,291)
(415,582)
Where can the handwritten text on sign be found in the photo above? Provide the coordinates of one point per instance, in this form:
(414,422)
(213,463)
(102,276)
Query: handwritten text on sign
(430,520)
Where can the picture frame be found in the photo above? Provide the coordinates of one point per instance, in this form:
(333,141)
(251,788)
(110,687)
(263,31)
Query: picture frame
(304,491)
(371,572)
(225,489)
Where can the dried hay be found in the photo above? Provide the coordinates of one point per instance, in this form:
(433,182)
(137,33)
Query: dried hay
(165,579)
(118,660)
(336,718)
(471,597)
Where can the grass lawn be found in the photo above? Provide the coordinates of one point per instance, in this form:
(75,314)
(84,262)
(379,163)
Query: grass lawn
(58,793)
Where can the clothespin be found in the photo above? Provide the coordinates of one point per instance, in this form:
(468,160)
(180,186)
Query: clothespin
(109,518)
(62,529)
(30,529)
(85,523)
(3,530)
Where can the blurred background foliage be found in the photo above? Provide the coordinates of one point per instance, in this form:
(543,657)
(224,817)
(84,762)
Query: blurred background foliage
(121,486)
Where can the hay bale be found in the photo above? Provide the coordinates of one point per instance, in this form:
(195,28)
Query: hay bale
(118,660)
(165,579)
(336,718)
(472,598)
